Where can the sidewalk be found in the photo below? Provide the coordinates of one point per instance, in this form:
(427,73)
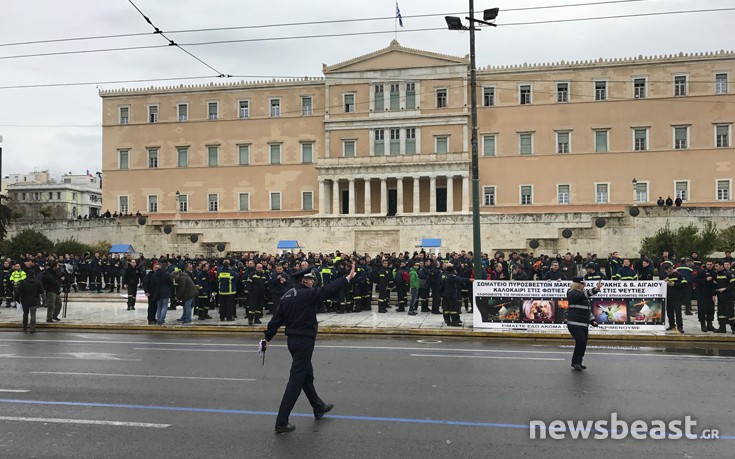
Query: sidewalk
(109,312)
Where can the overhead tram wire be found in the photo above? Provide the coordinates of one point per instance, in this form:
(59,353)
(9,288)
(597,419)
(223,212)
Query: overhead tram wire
(346,34)
(307,23)
(173,43)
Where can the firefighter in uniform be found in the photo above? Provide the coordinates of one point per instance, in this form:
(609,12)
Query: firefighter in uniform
(366,285)
(435,280)
(674,297)
(16,277)
(424,273)
(685,269)
(451,296)
(201,280)
(725,289)
(84,272)
(227,288)
(325,277)
(593,274)
(625,272)
(402,286)
(384,277)
(279,283)
(257,285)
(130,280)
(117,268)
(706,281)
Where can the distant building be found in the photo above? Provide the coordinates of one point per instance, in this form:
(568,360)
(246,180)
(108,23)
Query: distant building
(37,195)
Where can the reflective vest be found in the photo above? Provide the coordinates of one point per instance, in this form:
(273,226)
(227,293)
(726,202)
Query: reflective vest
(227,281)
(17,276)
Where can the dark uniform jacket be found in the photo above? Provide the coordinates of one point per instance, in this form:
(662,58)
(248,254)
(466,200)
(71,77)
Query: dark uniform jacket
(298,309)
(28,292)
(131,276)
(580,308)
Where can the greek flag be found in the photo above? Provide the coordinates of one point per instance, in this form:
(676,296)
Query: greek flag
(398,15)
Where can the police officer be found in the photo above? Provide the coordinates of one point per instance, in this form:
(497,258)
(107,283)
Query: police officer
(298,313)
(580,317)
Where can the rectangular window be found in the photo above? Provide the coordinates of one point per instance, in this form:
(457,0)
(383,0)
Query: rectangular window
(213,202)
(526,195)
(395,141)
(526,143)
(488,96)
(307,200)
(563,141)
(243,153)
(153,158)
(640,139)
(124,159)
(50,195)
(58,195)
(349,100)
(639,88)
(243,200)
(124,115)
(212,110)
(562,194)
(442,144)
(348,148)
(123,206)
(307,153)
(153,113)
(441,98)
(410,141)
(602,193)
(212,156)
(275,105)
(601,90)
(562,92)
(488,195)
(641,192)
(183,156)
(275,153)
(722,135)
(681,190)
(183,111)
(488,145)
(378,100)
(525,94)
(379,144)
(681,137)
(723,190)
(601,145)
(680,85)
(153,203)
(183,203)
(306,108)
(721,83)
(395,96)
(243,109)
(275,201)
(410,96)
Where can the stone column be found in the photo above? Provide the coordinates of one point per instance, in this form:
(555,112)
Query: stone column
(368,197)
(335,196)
(465,193)
(322,197)
(351,209)
(416,196)
(450,194)
(399,195)
(383,196)
(432,194)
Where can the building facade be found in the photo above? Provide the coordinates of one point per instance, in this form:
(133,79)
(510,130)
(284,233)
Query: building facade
(388,133)
(36,195)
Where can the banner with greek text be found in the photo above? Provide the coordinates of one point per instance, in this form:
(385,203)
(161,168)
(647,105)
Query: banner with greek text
(543,305)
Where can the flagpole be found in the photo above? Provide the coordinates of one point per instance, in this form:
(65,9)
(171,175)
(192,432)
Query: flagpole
(395,24)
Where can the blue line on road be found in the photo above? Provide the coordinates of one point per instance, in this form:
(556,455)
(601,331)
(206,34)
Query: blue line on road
(272,413)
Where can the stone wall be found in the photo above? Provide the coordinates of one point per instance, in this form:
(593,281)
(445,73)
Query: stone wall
(374,234)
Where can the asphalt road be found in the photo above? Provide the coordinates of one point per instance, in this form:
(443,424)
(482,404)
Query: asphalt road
(91,395)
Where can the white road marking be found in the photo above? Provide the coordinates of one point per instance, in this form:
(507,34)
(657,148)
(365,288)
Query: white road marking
(121,375)
(85,421)
(17,391)
(188,350)
(484,357)
(48,357)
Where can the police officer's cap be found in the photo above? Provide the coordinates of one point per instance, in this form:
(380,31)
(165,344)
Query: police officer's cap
(307,273)
(578,279)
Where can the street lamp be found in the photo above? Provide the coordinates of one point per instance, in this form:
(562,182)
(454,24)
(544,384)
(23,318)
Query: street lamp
(455,23)
(178,201)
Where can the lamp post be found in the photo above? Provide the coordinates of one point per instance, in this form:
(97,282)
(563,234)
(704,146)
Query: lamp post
(635,190)
(455,23)
(178,203)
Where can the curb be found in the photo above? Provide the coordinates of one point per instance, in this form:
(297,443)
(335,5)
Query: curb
(464,332)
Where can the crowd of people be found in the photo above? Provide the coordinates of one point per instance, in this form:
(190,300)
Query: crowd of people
(412,282)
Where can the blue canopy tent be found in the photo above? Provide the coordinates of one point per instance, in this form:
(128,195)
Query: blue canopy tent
(288,245)
(433,244)
(122,248)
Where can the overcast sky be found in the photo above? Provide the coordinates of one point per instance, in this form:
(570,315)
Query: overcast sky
(58,128)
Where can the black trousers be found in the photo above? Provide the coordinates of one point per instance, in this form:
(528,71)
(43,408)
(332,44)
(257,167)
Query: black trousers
(152,309)
(673,313)
(132,291)
(725,310)
(705,307)
(300,378)
(95,281)
(423,300)
(580,342)
(436,299)
(226,306)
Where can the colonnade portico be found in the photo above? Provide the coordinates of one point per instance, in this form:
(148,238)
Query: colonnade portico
(373,195)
